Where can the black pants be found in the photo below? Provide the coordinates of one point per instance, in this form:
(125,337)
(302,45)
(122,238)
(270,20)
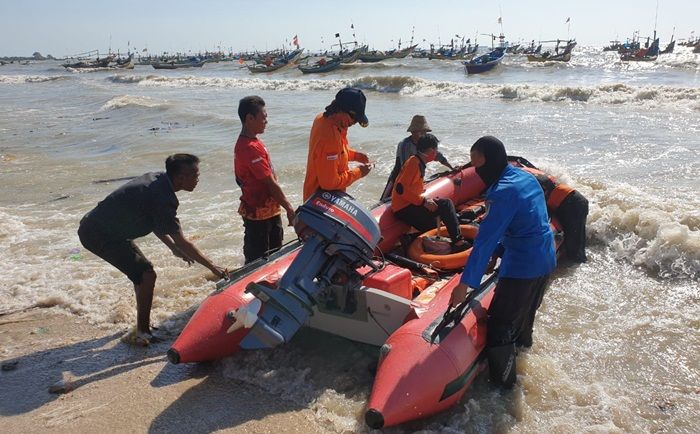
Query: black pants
(424,220)
(510,320)
(261,237)
(572,214)
(512,312)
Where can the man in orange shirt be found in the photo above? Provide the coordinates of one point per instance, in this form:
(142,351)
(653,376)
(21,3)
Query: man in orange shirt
(329,151)
(410,205)
(261,195)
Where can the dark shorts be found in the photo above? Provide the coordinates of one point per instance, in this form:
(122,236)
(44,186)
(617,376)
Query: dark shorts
(261,237)
(122,254)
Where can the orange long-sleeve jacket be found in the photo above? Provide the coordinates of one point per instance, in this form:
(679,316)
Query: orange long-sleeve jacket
(409,187)
(329,153)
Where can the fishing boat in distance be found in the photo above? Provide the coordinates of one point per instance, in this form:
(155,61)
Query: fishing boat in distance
(464,51)
(270,64)
(559,54)
(649,53)
(90,60)
(485,62)
(350,274)
(111,61)
(192,62)
(322,65)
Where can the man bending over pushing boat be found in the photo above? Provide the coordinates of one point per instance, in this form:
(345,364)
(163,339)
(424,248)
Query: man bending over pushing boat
(143,205)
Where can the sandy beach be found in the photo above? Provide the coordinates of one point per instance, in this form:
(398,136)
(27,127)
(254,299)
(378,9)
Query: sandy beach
(117,388)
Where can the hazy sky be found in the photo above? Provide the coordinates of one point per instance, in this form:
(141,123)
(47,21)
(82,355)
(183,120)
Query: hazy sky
(72,26)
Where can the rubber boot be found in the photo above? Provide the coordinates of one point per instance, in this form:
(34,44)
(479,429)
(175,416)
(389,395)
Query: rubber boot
(502,365)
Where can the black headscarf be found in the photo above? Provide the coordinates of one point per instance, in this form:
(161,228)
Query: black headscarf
(496,159)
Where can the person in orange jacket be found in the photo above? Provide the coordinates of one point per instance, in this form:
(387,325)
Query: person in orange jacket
(329,150)
(410,205)
(571,209)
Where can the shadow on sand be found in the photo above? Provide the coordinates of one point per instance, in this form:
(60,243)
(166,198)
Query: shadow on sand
(26,387)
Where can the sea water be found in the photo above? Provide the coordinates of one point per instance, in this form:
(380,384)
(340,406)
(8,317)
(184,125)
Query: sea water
(617,342)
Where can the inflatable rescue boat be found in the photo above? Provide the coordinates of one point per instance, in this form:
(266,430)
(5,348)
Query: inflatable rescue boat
(362,275)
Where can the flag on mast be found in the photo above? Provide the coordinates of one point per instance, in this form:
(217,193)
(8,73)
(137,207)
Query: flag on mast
(500,21)
(295,41)
(567,19)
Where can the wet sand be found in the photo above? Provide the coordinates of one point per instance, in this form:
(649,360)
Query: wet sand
(119,388)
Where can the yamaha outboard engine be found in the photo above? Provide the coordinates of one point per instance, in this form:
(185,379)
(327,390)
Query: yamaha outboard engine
(339,236)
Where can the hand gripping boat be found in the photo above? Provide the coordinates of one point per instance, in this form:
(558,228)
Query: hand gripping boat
(350,275)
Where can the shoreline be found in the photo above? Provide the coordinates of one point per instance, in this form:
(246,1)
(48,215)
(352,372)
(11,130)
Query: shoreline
(116,387)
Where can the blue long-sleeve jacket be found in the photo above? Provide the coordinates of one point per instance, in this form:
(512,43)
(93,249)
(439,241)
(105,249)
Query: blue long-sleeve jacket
(517,219)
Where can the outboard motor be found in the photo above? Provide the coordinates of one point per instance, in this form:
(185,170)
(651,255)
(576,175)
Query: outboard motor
(339,235)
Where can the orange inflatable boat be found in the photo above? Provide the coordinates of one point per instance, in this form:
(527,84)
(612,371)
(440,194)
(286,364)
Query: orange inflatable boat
(353,273)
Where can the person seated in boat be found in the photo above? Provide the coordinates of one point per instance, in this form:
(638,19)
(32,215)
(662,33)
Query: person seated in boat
(516,228)
(407,147)
(570,208)
(329,151)
(143,205)
(410,205)
(261,195)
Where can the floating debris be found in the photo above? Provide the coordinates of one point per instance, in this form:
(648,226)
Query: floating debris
(124,178)
(10,366)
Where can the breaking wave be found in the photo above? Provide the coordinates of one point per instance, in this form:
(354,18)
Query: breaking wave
(20,79)
(604,94)
(664,238)
(132,101)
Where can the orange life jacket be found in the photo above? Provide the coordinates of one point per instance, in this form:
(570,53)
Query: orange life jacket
(554,191)
(408,188)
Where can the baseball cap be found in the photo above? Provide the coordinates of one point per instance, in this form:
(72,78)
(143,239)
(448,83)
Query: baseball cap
(353,101)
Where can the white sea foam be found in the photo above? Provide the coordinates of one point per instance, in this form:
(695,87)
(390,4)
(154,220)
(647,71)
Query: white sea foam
(662,236)
(618,93)
(296,376)
(132,101)
(21,79)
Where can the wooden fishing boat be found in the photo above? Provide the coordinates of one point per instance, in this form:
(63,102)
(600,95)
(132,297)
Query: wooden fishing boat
(352,56)
(177,64)
(400,54)
(374,56)
(558,56)
(485,62)
(322,65)
(271,65)
(649,54)
(89,64)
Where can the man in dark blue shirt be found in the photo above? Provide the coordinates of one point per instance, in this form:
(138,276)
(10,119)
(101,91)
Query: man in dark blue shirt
(143,205)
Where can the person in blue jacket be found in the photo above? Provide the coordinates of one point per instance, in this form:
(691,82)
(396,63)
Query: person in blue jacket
(516,229)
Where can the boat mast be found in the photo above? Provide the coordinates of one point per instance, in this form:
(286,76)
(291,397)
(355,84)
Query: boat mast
(656,18)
